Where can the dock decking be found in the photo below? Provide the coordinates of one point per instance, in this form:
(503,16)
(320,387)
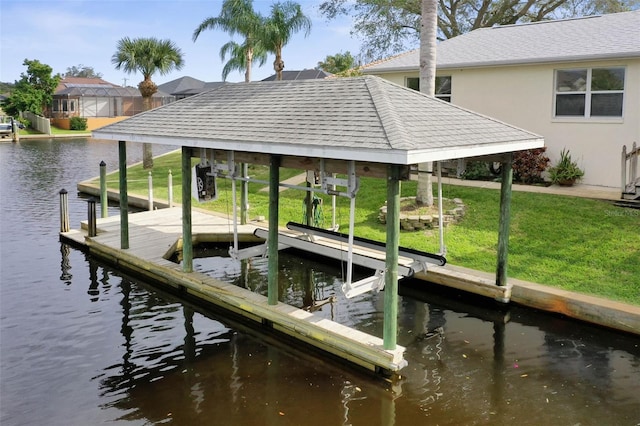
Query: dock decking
(154,235)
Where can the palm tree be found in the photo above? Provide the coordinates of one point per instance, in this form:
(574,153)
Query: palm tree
(238,17)
(428,30)
(147,56)
(285,20)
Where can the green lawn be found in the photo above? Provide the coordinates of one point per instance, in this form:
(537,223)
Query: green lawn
(582,245)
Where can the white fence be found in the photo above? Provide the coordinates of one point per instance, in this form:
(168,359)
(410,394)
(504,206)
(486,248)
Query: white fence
(39,123)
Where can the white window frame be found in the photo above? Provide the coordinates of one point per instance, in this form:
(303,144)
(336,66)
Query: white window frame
(444,96)
(587,95)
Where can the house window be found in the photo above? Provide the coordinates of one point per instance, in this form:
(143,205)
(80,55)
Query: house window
(589,92)
(443,86)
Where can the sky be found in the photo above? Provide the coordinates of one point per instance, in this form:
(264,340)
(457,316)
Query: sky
(67,33)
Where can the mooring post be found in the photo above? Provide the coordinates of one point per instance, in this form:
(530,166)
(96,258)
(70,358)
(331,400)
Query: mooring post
(150,179)
(390,330)
(274,196)
(15,131)
(64,210)
(124,198)
(170,189)
(91,217)
(104,201)
(187,238)
(505,219)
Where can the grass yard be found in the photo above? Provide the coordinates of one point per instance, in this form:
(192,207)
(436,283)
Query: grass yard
(582,245)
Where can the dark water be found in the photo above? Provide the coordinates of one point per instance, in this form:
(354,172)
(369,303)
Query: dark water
(82,344)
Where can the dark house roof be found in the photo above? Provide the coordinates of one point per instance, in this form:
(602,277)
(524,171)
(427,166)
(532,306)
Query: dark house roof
(187,86)
(300,75)
(86,82)
(362,118)
(97,87)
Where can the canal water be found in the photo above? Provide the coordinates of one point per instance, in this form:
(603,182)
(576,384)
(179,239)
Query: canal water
(83,344)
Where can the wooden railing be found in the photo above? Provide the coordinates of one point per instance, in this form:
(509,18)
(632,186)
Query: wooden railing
(630,164)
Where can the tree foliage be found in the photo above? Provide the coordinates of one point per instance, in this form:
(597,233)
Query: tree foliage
(286,18)
(238,17)
(338,63)
(391,26)
(147,56)
(82,71)
(34,91)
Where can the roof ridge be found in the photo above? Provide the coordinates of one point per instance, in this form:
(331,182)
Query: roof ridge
(387,59)
(385,109)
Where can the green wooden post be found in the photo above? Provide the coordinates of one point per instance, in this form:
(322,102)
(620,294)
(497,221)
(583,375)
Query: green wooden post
(390,331)
(124,199)
(309,206)
(274,195)
(505,218)
(104,201)
(187,238)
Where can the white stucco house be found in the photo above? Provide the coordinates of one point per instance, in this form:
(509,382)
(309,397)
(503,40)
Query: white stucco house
(576,82)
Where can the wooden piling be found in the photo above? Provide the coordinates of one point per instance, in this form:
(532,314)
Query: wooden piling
(505,219)
(170,189)
(150,184)
(274,197)
(64,211)
(91,217)
(124,202)
(104,201)
(390,331)
(187,237)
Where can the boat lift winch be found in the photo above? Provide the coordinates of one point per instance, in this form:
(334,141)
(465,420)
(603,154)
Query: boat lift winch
(308,237)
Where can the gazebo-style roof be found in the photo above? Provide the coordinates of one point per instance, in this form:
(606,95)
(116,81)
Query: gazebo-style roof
(362,119)
(363,126)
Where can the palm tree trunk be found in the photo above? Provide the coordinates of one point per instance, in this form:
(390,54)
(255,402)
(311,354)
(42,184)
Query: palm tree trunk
(247,72)
(428,31)
(278,64)
(147,150)
(147,89)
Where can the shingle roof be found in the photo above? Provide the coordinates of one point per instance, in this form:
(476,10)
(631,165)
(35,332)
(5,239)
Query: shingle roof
(362,118)
(68,82)
(610,36)
(300,75)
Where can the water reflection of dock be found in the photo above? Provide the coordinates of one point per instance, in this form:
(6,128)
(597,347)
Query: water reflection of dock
(154,237)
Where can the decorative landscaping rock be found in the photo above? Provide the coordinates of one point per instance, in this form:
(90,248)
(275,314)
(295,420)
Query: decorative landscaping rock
(417,222)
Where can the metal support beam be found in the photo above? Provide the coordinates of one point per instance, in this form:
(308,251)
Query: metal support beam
(187,238)
(390,331)
(124,199)
(505,218)
(274,197)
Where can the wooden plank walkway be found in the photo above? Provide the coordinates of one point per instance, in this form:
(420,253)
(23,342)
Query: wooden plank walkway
(154,234)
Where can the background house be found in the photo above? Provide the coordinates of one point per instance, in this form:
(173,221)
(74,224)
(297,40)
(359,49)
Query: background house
(576,82)
(184,87)
(97,100)
(307,74)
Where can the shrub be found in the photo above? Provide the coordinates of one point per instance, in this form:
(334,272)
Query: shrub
(529,165)
(566,171)
(78,123)
(475,170)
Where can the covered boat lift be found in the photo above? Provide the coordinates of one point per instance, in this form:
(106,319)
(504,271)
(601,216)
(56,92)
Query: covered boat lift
(352,127)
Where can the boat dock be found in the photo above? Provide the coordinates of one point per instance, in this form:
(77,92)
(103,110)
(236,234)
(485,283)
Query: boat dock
(156,235)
